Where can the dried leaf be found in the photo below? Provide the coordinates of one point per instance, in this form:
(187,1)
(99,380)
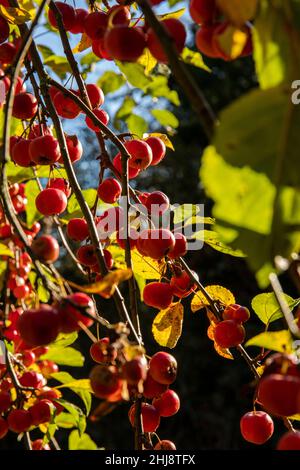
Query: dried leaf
(167,325)
(84,43)
(163,137)
(217,293)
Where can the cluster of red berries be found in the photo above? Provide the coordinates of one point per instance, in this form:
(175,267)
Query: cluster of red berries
(143,380)
(229,332)
(212,27)
(278,392)
(112,35)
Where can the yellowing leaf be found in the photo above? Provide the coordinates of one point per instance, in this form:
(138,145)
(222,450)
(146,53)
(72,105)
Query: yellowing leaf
(15,15)
(107,286)
(82,384)
(194,58)
(174,14)
(163,137)
(280,341)
(167,325)
(223,352)
(148,61)
(146,267)
(237,11)
(5,251)
(217,293)
(232,41)
(84,43)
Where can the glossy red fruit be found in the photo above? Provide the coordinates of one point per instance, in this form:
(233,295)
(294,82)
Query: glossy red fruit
(289,441)
(5,231)
(237,313)
(256,427)
(46,248)
(28,358)
(109,190)
(101,115)
(180,248)
(119,15)
(48,367)
(165,445)
(99,50)
(5,401)
(78,25)
(37,130)
(158,149)
(105,381)
(152,388)
(158,242)
(229,334)
(103,352)
(222,29)
(157,203)
(19,421)
(52,395)
(135,371)
(38,444)
(51,201)
(86,255)
(125,43)
(203,11)
(273,388)
(39,327)
(25,106)
(150,417)
(132,172)
(68,16)
(95,24)
(61,184)
(95,95)
(41,411)
(158,295)
(109,261)
(182,284)
(7,53)
(163,368)
(284,364)
(140,154)
(204,41)
(71,311)
(121,238)
(20,153)
(3,428)
(77,229)
(65,106)
(4,29)
(31,379)
(167,404)
(74,147)
(21,292)
(177,32)
(44,150)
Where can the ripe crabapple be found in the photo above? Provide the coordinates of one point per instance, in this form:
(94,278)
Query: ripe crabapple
(157,203)
(77,229)
(5,401)
(180,248)
(117,163)
(101,115)
(278,363)
(39,327)
(20,153)
(105,380)
(229,334)
(158,242)
(121,238)
(3,428)
(272,389)
(52,395)
(167,404)
(182,284)
(19,421)
(71,311)
(51,201)
(125,43)
(256,427)
(46,248)
(135,371)
(109,261)
(140,154)
(7,53)
(289,441)
(65,106)
(204,41)
(37,130)
(67,13)
(109,190)
(158,295)
(41,411)
(165,445)
(95,24)
(4,29)
(102,351)
(163,368)
(237,313)
(61,184)
(86,255)
(74,147)
(150,417)
(31,378)
(20,292)
(48,367)
(5,231)
(38,444)
(44,150)
(119,15)
(158,149)
(95,95)
(203,11)
(177,32)
(28,358)
(25,106)
(78,25)
(152,388)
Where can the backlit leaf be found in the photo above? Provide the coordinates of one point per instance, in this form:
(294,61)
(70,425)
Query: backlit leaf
(15,15)
(84,43)
(280,341)
(164,138)
(81,442)
(194,58)
(167,325)
(266,307)
(217,293)
(146,267)
(165,118)
(65,357)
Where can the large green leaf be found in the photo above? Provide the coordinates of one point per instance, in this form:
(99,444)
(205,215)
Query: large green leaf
(76,386)
(165,117)
(111,81)
(280,341)
(65,356)
(266,306)
(32,214)
(81,442)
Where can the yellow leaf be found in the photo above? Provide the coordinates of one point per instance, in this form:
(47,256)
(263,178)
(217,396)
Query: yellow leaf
(280,341)
(84,43)
(167,325)
(295,417)
(163,137)
(173,14)
(15,15)
(107,286)
(232,41)
(237,11)
(145,267)
(83,384)
(148,61)
(132,350)
(223,352)
(118,255)
(217,293)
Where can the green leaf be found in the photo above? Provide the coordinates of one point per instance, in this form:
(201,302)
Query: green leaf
(64,340)
(111,81)
(65,356)
(165,118)
(17,174)
(159,88)
(43,293)
(266,306)
(280,341)
(65,420)
(77,414)
(137,125)
(194,58)
(58,65)
(73,206)
(46,51)
(135,74)
(31,191)
(83,442)
(126,108)
(212,239)
(83,393)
